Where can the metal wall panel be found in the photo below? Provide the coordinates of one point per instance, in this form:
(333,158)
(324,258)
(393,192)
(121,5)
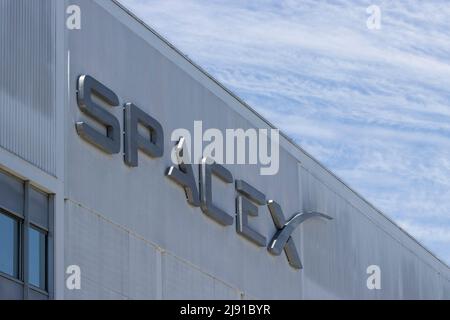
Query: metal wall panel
(184,281)
(27,73)
(11,193)
(35,295)
(11,289)
(108,200)
(39,208)
(113,261)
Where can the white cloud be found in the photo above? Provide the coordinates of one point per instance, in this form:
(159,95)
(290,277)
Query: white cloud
(374,106)
(437,236)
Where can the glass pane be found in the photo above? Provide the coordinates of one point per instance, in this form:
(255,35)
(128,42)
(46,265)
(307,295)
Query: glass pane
(9,246)
(37,254)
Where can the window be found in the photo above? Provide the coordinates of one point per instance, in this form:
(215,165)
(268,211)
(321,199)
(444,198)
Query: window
(9,245)
(25,224)
(37,256)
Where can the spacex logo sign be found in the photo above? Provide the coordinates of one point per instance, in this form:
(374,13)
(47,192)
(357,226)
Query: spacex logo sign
(198,194)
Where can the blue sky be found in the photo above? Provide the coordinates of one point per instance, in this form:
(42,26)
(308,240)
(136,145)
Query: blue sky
(372,105)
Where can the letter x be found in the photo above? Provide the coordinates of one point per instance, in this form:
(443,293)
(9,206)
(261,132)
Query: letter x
(282,238)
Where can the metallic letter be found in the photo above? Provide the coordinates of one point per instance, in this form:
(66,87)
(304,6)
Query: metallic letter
(245,208)
(88,86)
(247,190)
(152,146)
(282,238)
(184,175)
(207,168)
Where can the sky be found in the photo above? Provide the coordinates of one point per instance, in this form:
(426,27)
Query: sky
(371,104)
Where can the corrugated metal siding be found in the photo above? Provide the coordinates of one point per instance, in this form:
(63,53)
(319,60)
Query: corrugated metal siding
(27,78)
(134,236)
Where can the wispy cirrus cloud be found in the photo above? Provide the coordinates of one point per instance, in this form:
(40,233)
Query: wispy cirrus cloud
(372,105)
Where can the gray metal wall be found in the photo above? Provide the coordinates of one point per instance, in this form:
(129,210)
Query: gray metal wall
(27,81)
(133,234)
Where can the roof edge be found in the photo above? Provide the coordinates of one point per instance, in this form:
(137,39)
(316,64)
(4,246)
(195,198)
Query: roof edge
(282,134)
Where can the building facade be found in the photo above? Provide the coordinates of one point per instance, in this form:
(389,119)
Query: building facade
(88,186)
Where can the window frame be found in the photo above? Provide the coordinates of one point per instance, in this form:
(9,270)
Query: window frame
(45,232)
(24,223)
(18,219)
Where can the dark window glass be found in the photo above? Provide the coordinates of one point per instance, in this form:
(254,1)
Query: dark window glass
(37,255)
(9,245)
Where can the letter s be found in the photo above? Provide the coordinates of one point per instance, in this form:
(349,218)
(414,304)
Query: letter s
(88,86)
